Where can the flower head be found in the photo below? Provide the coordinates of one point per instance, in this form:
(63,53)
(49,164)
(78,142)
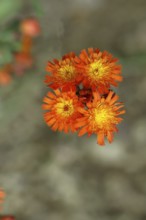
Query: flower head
(99,69)
(30,27)
(100,117)
(62,112)
(2,196)
(5,77)
(64,73)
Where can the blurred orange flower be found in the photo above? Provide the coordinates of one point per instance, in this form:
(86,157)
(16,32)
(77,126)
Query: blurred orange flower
(5,77)
(64,73)
(2,196)
(8,217)
(83,98)
(62,108)
(100,117)
(99,69)
(30,27)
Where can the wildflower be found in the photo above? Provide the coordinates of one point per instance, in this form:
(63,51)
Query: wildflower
(5,77)
(100,117)
(2,196)
(30,27)
(83,98)
(64,73)
(99,69)
(7,217)
(62,108)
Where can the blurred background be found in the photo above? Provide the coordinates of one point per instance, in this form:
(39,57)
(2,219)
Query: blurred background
(51,175)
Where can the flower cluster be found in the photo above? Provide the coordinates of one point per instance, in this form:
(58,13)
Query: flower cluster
(82,99)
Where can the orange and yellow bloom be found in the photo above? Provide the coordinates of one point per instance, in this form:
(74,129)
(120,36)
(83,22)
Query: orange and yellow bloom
(100,117)
(99,69)
(83,101)
(62,110)
(64,73)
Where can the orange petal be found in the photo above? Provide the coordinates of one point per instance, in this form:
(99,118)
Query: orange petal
(48,116)
(114,99)
(55,126)
(96,96)
(45,107)
(108,99)
(121,112)
(82,131)
(110,136)
(50,121)
(118,78)
(81,123)
(46,100)
(100,138)
(51,95)
(81,110)
(60,126)
(57,92)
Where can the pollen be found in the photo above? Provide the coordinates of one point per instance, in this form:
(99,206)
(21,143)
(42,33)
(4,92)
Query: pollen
(97,70)
(65,108)
(104,117)
(67,72)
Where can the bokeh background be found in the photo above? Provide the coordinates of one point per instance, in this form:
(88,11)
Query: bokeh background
(54,176)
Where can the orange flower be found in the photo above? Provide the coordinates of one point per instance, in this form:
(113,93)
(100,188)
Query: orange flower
(62,108)
(7,217)
(100,117)
(64,73)
(30,27)
(99,69)
(2,196)
(5,77)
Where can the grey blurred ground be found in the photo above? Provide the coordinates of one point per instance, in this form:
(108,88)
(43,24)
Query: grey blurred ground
(53,176)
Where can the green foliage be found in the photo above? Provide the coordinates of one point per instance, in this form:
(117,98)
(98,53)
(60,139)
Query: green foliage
(8,42)
(8,9)
(8,45)
(36,5)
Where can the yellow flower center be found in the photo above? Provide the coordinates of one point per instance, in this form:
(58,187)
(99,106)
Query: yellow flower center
(104,117)
(65,108)
(97,70)
(67,72)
